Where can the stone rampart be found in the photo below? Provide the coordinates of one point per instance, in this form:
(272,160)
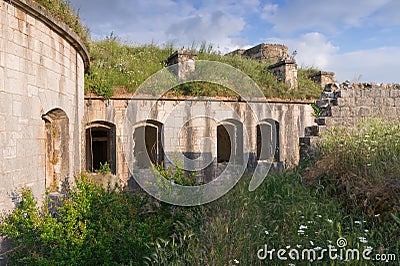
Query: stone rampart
(42,64)
(182,126)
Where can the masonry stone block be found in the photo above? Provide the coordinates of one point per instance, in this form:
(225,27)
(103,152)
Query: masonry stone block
(378,101)
(364,101)
(335,111)
(395,93)
(364,112)
(391,112)
(345,111)
(389,102)
(346,93)
(358,93)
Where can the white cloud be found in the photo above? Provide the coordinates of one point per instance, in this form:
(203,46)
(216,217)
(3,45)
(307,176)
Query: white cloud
(371,65)
(217,27)
(313,49)
(376,65)
(165,21)
(321,15)
(269,11)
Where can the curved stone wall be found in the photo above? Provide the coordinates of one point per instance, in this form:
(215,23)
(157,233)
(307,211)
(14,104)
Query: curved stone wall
(42,65)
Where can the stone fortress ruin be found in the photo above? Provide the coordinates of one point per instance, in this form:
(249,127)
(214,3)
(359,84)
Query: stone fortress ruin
(50,131)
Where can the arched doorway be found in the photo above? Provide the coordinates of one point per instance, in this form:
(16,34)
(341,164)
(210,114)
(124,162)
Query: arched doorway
(57,148)
(148,140)
(100,146)
(268,140)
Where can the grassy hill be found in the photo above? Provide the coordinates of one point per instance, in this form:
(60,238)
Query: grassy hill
(118,67)
(123,67)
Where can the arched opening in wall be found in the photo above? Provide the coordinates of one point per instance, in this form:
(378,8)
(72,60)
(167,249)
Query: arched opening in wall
(268,140)
(230,141)
(224,145)
(100,146)
(148,139)
(57,148)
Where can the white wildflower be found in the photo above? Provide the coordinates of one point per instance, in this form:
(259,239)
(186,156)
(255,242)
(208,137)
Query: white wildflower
(363,240)
(303,227)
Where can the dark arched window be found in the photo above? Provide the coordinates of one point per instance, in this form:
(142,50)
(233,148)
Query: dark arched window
(148,140)
(230,141)
(100,146)
(268,140)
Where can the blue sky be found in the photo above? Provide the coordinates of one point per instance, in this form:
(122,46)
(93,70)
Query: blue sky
(358,40)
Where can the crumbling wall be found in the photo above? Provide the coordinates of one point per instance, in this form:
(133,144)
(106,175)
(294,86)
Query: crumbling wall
(272,53)
(347,103)
(323,78)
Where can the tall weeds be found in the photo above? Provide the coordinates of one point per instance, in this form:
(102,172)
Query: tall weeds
(361,165)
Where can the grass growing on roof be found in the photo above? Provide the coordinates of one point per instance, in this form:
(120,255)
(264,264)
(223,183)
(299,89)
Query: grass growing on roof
(116,65)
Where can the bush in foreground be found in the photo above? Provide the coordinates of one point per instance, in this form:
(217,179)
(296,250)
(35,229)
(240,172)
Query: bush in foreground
(361,166)
(93,226)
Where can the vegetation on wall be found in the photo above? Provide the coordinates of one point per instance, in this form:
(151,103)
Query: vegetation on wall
(63,10)
(123,67)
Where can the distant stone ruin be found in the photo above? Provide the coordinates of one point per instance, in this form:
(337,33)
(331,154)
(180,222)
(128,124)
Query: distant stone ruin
(286,71)
(278,58)
(323,78)
(271,53)
(282,64)
(183,62)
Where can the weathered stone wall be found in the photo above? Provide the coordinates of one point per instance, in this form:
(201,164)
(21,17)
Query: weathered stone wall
(185,125)
(42,66)
(182,62)
(272,53)
(286,71)
(345,104)
(323,78)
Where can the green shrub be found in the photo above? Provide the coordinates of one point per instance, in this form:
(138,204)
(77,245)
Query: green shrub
(93,226)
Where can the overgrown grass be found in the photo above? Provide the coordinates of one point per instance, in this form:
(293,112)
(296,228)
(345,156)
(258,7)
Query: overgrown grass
(283,214)
(361,165)
(104,227)
(63,10)
(122,66)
